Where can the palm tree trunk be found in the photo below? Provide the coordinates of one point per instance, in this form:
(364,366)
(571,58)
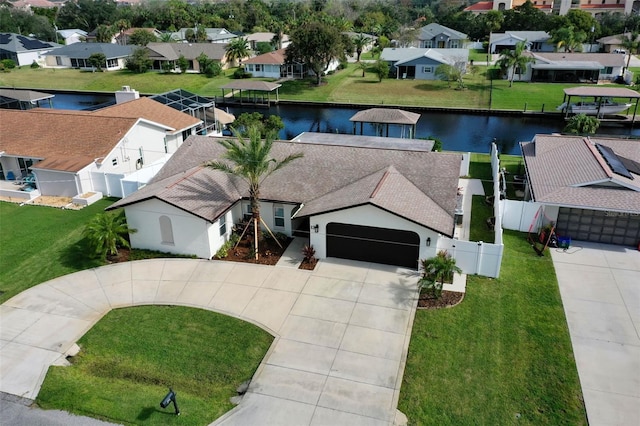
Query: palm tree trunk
(254,193)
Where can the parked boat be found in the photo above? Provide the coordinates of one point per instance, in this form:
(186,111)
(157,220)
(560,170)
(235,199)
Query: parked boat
(604,107)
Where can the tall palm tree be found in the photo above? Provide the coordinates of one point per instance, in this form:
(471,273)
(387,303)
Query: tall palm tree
(360,42)
(251,161)
(106,232)
(514,60)
(631,43)
(122,25)
(104,33)
(237,49)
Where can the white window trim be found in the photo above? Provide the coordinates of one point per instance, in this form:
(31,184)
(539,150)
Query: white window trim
(276,207)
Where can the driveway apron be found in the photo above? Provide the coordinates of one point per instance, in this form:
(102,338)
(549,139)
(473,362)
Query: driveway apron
(341,331)
(600,289)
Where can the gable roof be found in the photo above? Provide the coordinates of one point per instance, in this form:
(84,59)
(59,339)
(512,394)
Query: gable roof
(386,115)
(277,57)
(407,181)
(616,39)
(70,32)
(84,50)
(603,59)
(67,141)
(172,51)
(571,171)
(529,36)
(430,31)
(150,110)
(403,55)
(17,43)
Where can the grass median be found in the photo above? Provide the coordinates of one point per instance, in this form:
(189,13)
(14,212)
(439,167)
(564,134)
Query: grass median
(132,356)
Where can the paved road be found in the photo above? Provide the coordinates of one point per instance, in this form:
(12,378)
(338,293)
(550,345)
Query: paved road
(600,288)
(342,331)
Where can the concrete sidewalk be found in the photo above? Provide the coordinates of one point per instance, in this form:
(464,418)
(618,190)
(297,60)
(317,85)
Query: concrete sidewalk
(342,331)
(600,289)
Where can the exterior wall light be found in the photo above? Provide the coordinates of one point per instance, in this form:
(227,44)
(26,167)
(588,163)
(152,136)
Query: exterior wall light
(316,228)
(429,242)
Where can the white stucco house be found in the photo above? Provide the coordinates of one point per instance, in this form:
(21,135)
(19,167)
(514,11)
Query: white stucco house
(383,205)
(69,153)
(535,41)
(76,55)
(421,63)
(554,67)
(71,36)
(24,50)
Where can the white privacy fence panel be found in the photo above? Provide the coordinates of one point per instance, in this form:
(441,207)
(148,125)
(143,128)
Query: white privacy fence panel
(108,183)
(476,258)
(520,215)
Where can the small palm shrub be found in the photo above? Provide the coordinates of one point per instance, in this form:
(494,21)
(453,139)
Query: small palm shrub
(309,253)
(435,270)
(107,232)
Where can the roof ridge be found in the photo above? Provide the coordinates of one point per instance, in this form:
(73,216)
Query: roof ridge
(598,157)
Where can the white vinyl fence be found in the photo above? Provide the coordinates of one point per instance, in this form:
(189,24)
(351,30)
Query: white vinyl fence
(521,216)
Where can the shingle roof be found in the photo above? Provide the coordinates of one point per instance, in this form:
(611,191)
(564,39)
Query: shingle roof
(570,171)
(84,50)
(530,36)
(480,6)
(12,42)
(605,59)
(386,116)
(428,32)
(277,57)
(616,39)
(172,51)
(67,141)
(150,110)
(420,186)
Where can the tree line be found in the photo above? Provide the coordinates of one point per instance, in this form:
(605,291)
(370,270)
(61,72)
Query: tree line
(396,20)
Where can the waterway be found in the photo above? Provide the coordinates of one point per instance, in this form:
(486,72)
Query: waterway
(458,132)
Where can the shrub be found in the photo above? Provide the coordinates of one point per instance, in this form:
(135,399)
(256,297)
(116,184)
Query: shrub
(309,253)
(241,73)
(213,69)
(223,251)
(34,65)
(8,64)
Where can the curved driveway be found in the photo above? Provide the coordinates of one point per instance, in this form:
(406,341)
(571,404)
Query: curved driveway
(341,331)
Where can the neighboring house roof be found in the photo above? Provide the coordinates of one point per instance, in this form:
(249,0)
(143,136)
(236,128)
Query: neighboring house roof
(277,57)
(265,37)
(481,6)
(430,31)
(172,51)
(374,142)
(150,110)
(71,32)
(419,186)
(572,171)
(17,43)
(24,95)
(595,59)
(26,4)
(66,141)
(386,116)
(616,39)
(529,36)
(213,34)
(401,56)
(84,50)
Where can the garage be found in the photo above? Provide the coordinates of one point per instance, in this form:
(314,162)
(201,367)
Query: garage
(599,226)
(371,244)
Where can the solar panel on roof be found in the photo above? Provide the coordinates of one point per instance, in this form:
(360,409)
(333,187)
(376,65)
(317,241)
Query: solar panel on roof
(613,161)
(5,38)
(631,165)
(32,44)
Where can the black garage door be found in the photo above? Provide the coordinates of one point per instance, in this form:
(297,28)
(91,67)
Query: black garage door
(371,244)
(599,226)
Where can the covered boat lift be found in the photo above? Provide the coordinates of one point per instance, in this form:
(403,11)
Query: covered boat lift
(258,93)
(599,94)
(387,116)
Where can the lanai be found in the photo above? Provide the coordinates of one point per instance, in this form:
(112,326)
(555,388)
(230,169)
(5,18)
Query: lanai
(387,116)
(258,92)
(23,99)
(599,93)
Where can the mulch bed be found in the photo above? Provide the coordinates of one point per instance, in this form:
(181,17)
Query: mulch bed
(309,266)
(123,255)
(448,299)
(269,253)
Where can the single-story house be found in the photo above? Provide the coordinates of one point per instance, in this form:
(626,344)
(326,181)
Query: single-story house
(266,37)
(363,203)
(24,50)
(536,41)
(162,53)
(124,36)
(588,186)
(76,55)
(573,67)
(28,4)
(614,42)
(421,63)
(274,65)
(75,152)
(214,35)
(71,36)
(441,37)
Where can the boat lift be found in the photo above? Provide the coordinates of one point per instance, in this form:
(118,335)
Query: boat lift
(599,94)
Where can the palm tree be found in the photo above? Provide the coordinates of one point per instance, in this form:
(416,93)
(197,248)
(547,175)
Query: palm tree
(362,66)
(104,33)
(122,25)
(514,61)
(106,232)
(360,42)
(166,38)
(436,269)
(237,49)
(631,43)
(251,161)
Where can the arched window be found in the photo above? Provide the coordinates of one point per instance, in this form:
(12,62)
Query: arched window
(166,231)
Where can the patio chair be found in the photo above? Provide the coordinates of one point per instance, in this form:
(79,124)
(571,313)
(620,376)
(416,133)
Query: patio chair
(11,175)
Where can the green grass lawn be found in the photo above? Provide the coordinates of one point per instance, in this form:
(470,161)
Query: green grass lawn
(130,358)
(503,356)
(40,243)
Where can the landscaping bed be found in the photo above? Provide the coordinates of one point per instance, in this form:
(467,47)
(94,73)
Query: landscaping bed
(269,251)
(446,300)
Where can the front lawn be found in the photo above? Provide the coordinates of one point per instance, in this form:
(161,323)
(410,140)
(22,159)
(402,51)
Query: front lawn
(503,356)
(132,356)
(41,243)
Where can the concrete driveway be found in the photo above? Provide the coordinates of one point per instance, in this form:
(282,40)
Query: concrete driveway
(600,288)
(342,331)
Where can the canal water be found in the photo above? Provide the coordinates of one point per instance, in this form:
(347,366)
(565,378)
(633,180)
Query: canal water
(458,132)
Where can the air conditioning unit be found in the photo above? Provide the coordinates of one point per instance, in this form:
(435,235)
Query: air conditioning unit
(126,88)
